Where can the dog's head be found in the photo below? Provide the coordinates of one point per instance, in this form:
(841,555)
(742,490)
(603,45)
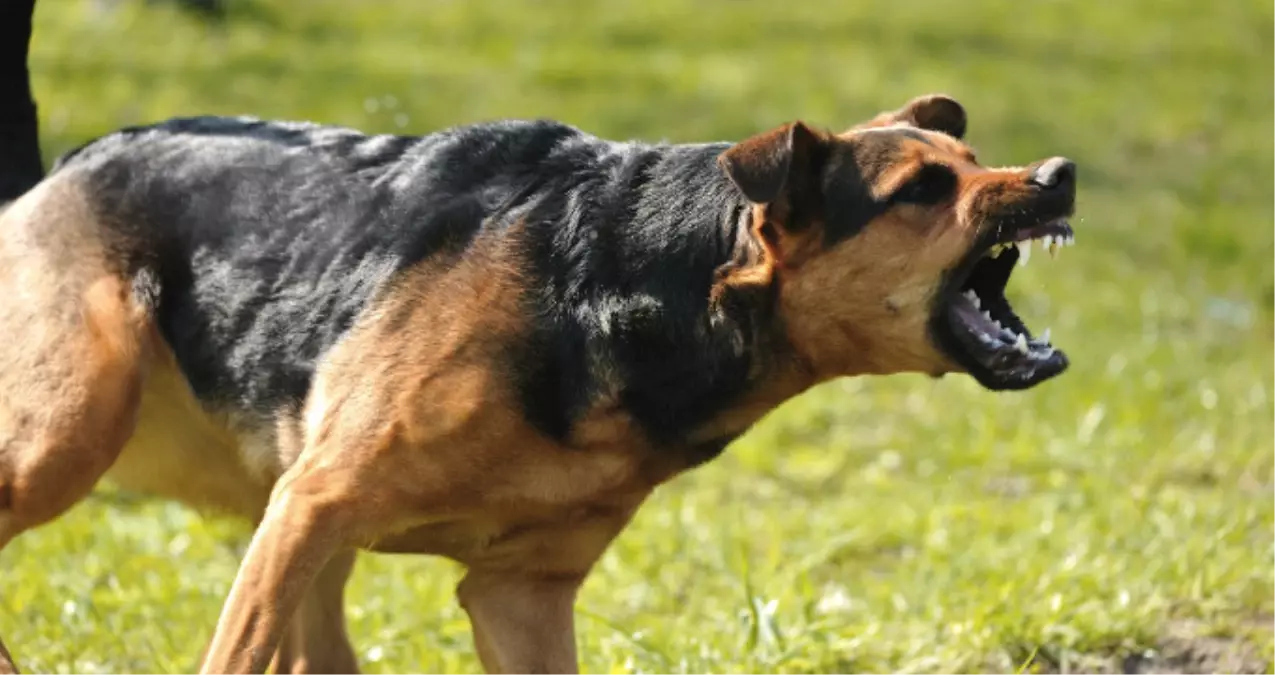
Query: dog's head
(890,245)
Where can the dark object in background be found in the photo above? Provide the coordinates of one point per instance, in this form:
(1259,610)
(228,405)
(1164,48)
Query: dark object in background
(20,165)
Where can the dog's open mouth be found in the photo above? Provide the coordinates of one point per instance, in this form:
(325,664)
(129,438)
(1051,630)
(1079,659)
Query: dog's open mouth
(977,326)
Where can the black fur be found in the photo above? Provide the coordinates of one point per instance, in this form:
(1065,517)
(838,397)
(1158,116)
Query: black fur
(625,261)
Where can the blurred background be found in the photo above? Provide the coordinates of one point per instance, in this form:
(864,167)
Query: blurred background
(1119,518)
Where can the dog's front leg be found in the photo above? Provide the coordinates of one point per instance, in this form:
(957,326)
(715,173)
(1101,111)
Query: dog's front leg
(522,624)
(520,597)
(307,522)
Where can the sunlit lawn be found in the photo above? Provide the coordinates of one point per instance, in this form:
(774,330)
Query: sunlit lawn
(871,525)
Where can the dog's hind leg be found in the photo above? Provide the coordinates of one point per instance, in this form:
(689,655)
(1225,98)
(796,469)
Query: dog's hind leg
(73,345)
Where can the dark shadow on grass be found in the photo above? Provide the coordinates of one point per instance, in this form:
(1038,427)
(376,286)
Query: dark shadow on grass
(1184,647)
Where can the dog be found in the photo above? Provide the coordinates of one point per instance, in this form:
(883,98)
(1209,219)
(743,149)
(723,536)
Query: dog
(489,343)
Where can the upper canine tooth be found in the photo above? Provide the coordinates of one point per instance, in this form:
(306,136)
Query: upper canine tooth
(1024,251)
(1021,344)
(1044,336)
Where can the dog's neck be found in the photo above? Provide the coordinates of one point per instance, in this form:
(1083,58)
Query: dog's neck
(743,317)
(745,300)
(651,268)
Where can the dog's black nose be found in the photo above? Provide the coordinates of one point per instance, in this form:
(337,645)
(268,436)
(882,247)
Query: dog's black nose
(1054,172)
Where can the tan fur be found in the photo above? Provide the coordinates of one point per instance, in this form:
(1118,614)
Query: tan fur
(181,451)
(316,640)
(71,370)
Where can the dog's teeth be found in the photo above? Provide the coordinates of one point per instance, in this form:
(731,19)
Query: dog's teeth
(1044,336)
(1024,251)
(1021,344)
(987,315)
(1071,240)
(974,299)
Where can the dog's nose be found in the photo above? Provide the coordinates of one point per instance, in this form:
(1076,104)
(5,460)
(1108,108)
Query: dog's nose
(1053,173)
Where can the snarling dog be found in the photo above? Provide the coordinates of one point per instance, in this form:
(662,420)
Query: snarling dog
(489,343)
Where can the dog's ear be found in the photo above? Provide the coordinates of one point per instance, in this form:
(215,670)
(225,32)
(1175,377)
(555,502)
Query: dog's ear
(935,112)
(779,172)
(775,166)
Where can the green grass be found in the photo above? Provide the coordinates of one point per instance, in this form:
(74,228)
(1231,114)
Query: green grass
(892,524)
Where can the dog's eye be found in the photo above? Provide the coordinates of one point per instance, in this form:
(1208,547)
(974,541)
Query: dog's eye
(931,185)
